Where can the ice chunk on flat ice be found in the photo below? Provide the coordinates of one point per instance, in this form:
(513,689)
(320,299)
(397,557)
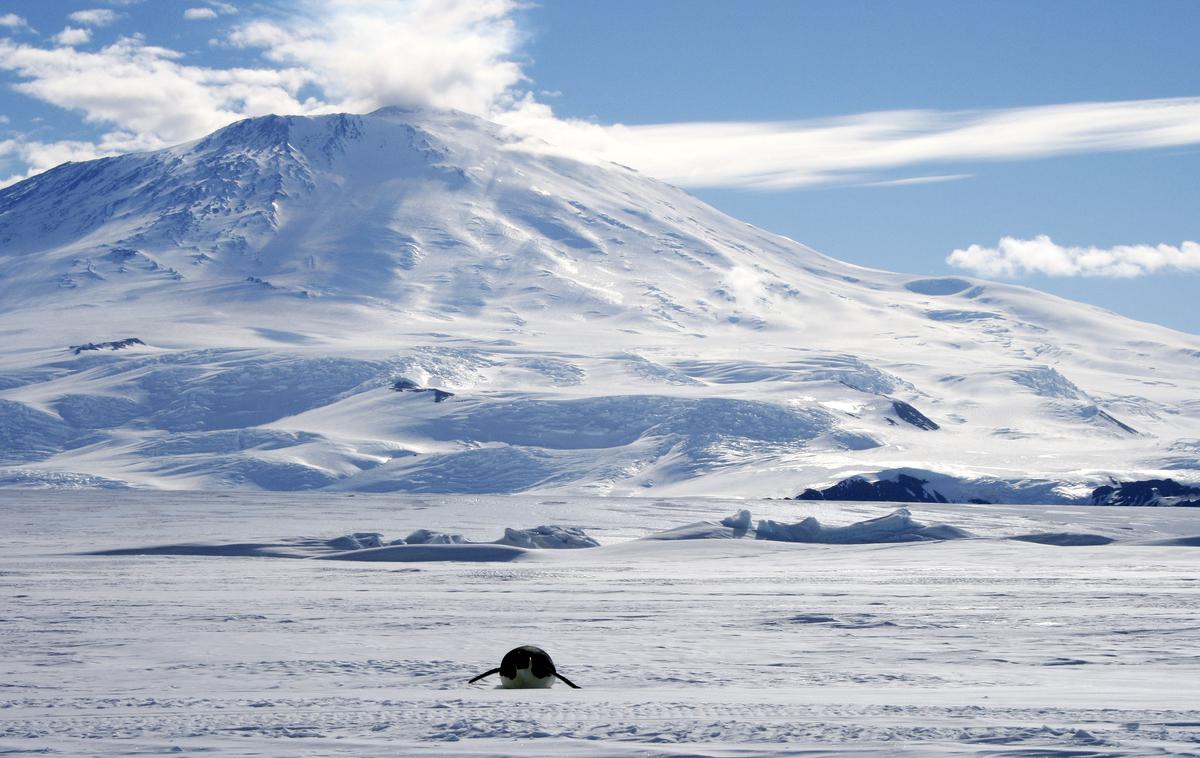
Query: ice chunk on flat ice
(740,521)
(356,541)
(728,528)
(547,536)
(808,530)
(430,537)
(897,526)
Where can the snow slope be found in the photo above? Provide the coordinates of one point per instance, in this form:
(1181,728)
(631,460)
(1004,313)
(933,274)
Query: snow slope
(601,332)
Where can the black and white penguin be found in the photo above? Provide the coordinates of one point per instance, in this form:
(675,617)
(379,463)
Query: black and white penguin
(526,667)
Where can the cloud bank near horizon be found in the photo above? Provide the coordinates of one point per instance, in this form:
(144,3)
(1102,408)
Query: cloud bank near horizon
(1013,258)
(358,55)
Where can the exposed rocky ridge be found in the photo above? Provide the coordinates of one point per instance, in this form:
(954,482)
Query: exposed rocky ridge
(906,488)
(1151,492)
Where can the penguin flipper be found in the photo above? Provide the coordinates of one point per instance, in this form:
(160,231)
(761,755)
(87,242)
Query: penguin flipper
(486,673)
(568,682)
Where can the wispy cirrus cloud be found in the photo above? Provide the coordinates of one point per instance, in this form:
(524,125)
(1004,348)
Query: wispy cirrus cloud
(782,155)
(914,180)
(1041,255)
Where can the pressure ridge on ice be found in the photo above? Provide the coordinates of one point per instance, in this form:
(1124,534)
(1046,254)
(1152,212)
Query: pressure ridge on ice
(413,301)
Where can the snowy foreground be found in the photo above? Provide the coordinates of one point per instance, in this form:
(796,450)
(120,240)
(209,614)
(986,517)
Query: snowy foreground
(980,644)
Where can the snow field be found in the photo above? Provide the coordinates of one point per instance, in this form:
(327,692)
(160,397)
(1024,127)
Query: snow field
(710,647)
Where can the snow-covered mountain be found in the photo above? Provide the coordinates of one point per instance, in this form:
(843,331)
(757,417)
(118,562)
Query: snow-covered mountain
(262,308)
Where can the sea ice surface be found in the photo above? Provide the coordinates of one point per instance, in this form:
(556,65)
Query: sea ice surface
(735,646)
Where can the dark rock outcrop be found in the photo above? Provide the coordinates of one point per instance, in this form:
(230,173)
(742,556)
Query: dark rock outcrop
(1110,419)
(1147,492)
(114,345)
(913,416)
(904,489)
(408,385)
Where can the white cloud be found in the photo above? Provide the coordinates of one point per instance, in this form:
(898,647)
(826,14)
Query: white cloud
(215,8)
(94,17)
(364,54)
(13,21)
(1041,255)
(145,95)
(40,156)
(73,35)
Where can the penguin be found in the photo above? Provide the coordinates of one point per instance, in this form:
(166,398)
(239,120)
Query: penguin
(526,667)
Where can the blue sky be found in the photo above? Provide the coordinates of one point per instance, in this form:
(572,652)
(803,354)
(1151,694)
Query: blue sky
(886,134)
